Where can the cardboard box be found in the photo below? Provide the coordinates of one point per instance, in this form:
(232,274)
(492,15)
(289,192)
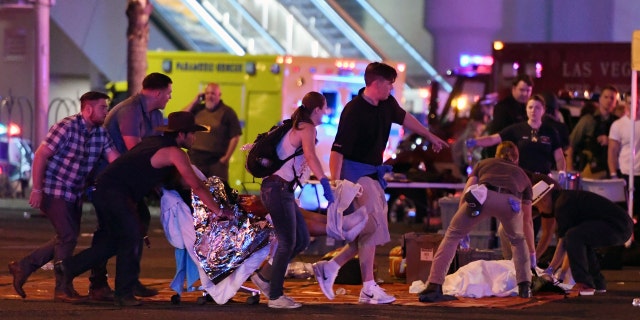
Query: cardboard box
(420,249)
(465,256)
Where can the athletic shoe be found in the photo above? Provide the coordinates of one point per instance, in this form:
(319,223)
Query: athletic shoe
(325,278)
(583,289)
(284,302)
(600,284)
(264,286)
(375,295)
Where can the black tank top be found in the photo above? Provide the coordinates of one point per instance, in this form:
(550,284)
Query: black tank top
(132,173)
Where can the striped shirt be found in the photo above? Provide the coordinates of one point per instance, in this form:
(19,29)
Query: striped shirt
(76,151)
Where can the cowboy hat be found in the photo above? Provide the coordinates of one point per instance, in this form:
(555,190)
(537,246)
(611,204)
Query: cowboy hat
(181,121)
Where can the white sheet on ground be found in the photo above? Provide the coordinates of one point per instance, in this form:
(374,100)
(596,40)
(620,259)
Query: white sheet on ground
(482,278)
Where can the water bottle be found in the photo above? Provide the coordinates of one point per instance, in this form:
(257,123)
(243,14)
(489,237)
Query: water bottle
(636,302)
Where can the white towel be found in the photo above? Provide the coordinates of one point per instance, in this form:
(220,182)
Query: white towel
(479,191)
(347,227)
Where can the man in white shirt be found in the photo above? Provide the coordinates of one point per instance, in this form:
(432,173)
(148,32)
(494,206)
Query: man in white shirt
(620,153)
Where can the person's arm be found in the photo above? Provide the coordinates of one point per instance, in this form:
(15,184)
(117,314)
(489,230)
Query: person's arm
(603,140)
(335,165)
(410,122)
(40,160)
(307,136)
(558,256)
(488,141)
(112,155)
(579,131)
(613,150)
(561,164)
(233,143)
(548,227)
(569,158)
(131,141)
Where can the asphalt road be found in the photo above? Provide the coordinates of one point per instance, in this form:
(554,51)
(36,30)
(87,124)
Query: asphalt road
(20,233)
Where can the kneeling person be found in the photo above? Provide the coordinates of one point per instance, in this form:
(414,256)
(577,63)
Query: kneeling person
(584,221)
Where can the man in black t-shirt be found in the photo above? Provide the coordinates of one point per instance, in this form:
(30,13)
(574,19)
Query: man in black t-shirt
(356,155)
(511,109)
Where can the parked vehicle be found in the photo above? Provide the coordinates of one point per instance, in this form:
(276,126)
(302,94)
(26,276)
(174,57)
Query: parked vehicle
(16,158)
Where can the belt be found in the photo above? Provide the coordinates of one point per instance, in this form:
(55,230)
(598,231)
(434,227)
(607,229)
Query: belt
(502,190)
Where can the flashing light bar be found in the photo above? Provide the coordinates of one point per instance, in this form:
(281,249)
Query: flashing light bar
(339,78)
(13,130)
(475,60)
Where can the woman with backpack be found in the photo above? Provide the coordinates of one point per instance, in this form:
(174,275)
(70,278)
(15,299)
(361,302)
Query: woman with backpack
(277,195)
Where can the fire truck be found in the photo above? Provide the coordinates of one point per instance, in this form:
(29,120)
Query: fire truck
(265,89)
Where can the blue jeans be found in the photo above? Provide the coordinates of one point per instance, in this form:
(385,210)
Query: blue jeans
(289,225)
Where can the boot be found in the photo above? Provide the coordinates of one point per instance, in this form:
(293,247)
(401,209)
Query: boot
(524,290)
(19,277)
(64,291)
(433,293)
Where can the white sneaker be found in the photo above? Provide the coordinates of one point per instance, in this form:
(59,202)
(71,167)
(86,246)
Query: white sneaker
(376,295)
(284,302)
(325,279)
(264,286)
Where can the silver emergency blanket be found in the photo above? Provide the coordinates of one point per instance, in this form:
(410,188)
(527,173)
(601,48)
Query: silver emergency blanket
(223,244)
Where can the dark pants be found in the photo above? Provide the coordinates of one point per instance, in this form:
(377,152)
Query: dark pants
(99,274)
(580,243)
(290,229)
(65,217)
(120,236)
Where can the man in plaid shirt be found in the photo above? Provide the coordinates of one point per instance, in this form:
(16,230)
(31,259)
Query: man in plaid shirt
(61,165)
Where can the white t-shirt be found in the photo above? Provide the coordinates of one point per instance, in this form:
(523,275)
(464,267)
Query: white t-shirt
(285,149)
(621,132)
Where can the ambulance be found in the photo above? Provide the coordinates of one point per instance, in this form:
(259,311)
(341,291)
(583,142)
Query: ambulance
(266,89)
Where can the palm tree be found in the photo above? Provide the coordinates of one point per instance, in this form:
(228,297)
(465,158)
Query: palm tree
(138,12)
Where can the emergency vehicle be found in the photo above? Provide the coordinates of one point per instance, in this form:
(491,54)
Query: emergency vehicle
(570,70)
(265,89)
(573,71)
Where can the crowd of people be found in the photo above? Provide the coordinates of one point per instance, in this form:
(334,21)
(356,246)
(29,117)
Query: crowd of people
(598,146)
(128,153)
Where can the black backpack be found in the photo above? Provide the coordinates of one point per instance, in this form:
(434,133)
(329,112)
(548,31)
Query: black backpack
(263,160)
